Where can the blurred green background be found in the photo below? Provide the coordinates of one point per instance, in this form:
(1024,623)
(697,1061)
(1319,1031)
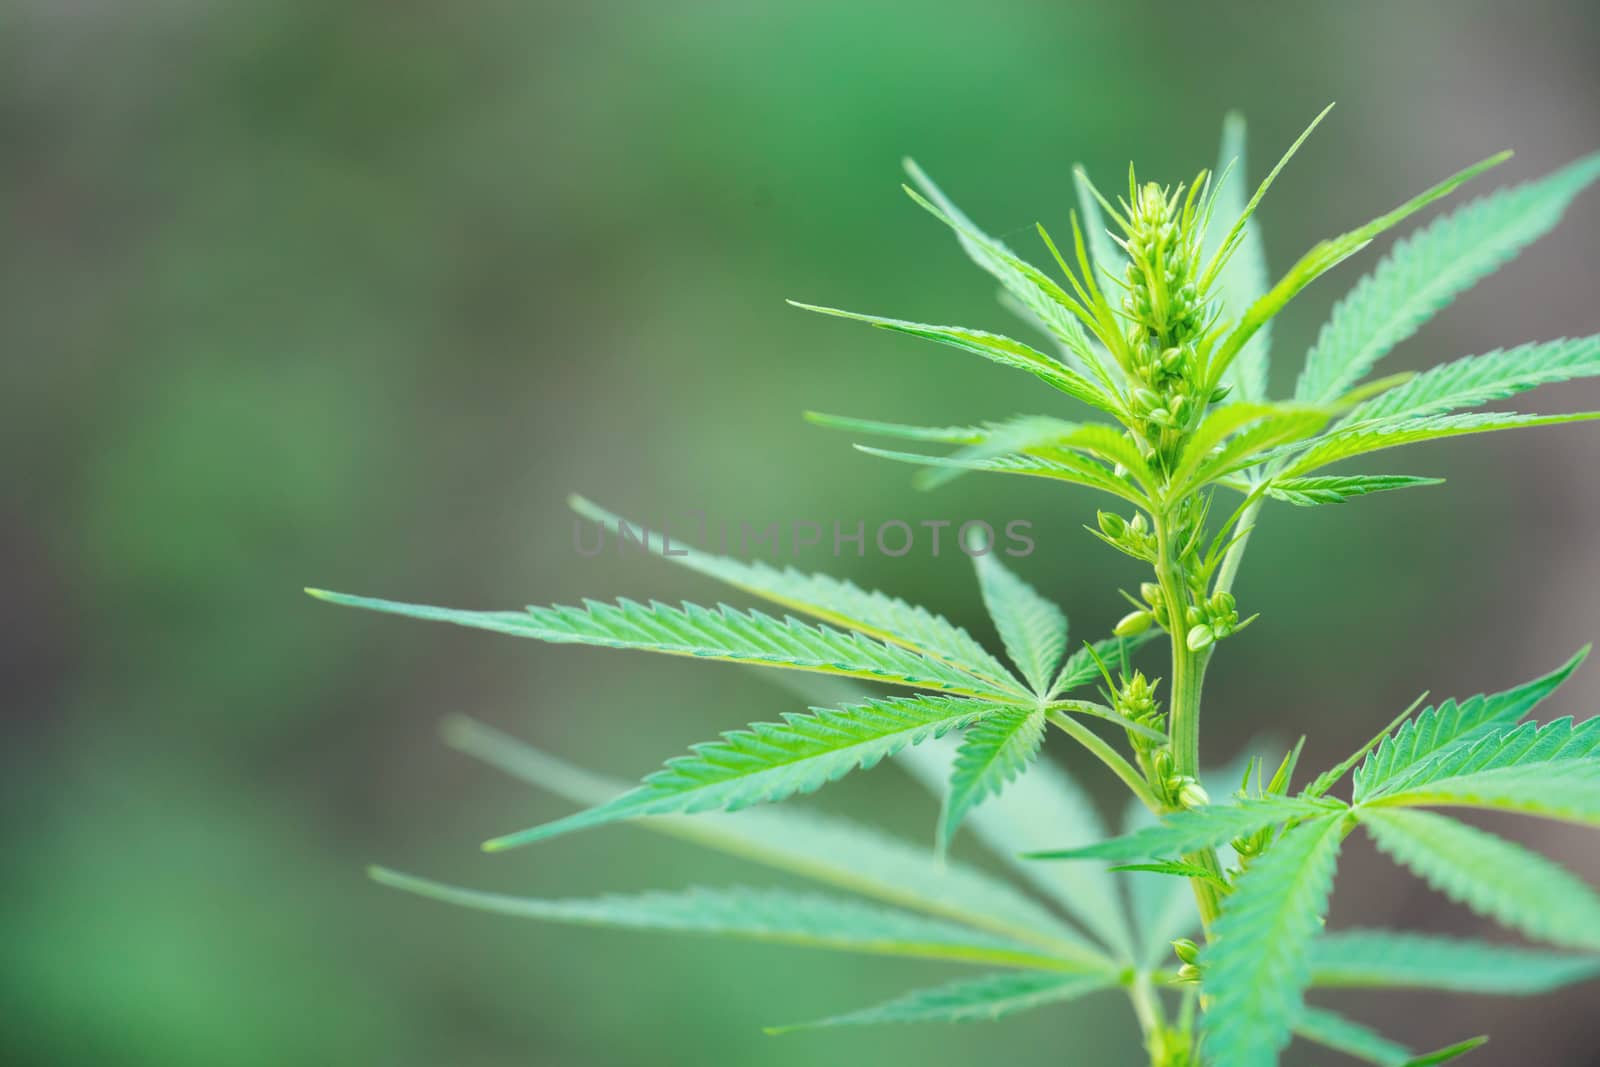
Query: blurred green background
(354,294)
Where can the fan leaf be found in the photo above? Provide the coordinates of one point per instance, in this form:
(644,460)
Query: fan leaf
(1270,427)
(983,999)
(1197,829)
(1477,380)
(1426,271)
(1061,466)
(1490,875)
(823,848)
(1384,959)
(1258,962)
(1310,492)
(720,634)
(1019,436)
(840,603)
(1243,279)
(1033,290)
(808,919)
(1434,731)
(993,752)
(1083,666)
(950,435)
(1347,444)
(1324,256)
(991,346)
(1504,747)
(1567,790)
(771,761)
(1032,628)
(1044,806)
(1343,1035)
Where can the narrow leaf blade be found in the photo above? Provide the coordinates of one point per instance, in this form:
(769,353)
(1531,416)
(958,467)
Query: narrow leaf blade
(771,761)
(806,919)
(1343,1035)
(1434,731)
(823,848)
(1033,629)
(991,346)
(1197,829)
(701,633)
(1490,875)
(1477,380)
(833,601)
(993,753)
(973,1000)
(1044,806)
(1243,279)
(1385,959)
(1337,489)
(1426,271)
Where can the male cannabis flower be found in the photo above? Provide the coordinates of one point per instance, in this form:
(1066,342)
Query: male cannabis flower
(1159,333)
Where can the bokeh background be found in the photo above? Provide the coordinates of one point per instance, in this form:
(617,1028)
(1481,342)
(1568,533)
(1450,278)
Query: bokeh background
(354,294)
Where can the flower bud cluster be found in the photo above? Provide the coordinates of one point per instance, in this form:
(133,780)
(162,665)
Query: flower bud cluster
(1154,612)
(1188,954)
(1176,791)
(1211,620)
(1136,701)
(1163,293)
(1250,846)
(1132,537)
(1167,315)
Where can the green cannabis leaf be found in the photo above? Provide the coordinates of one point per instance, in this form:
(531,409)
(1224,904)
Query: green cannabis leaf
(1259,962)
(1490,875)
(1155,315)
(988,998)
(1384,959)
(808,919)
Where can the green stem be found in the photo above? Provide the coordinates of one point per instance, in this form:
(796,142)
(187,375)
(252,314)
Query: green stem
(1107,755)
(1230,562)
(1152,1020)
(1188,678)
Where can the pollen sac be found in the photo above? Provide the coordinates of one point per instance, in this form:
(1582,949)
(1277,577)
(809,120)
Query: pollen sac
(1163,293)
(1136,699)
(1168,312)
(1186,792)
(1200,637)
(1111,524)
(1130,536)
(1133,623)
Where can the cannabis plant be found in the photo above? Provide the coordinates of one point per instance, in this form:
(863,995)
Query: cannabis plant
(1159,309)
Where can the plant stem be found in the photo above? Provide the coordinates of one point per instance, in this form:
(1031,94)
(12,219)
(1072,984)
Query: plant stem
(1230,562)
(1152,1020)
(1107,755)
(1188,678)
